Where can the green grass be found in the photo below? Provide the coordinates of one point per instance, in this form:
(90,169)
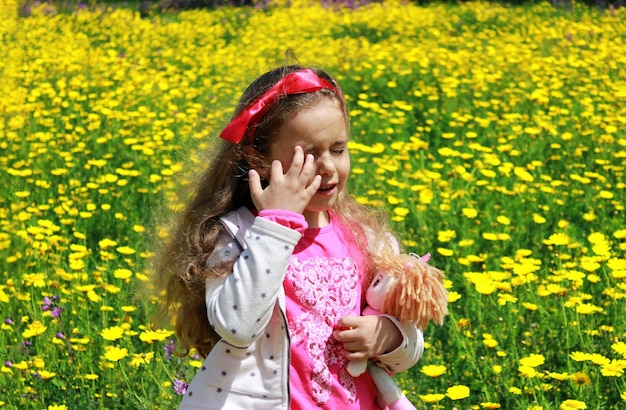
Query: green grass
(494,136)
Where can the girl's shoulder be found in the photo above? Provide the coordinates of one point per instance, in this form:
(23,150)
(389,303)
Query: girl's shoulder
(231,240)
(238,222)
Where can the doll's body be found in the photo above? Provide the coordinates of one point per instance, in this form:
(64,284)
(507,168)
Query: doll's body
(408,288)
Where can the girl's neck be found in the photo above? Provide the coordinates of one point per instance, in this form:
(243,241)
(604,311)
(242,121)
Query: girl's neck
(316,219)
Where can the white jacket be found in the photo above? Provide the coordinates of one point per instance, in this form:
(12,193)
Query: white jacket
(249,367)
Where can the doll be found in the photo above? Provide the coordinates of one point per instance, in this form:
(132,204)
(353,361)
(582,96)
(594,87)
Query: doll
(406,287)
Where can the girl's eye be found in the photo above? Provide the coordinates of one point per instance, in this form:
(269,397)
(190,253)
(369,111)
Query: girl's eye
(338,151)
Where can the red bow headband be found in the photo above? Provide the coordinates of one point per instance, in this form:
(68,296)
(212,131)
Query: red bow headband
(299,82)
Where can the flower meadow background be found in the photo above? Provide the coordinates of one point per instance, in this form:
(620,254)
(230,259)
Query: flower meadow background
(494,135)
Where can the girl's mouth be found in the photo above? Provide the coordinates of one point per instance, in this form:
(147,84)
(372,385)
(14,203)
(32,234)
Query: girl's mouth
(327,189)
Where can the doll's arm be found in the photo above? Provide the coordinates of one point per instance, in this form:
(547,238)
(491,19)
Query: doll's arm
(240,305)
(408,352)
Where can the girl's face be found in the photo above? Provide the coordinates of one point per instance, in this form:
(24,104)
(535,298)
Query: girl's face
(320,130)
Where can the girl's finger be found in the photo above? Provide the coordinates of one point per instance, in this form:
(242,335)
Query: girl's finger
(308,168)
(276,170)
(254,182)
(315,184)
(297,162)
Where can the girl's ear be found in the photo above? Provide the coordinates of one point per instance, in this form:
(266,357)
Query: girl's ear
(256,160)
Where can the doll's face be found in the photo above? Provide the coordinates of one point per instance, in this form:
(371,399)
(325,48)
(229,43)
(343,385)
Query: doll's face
(376,291)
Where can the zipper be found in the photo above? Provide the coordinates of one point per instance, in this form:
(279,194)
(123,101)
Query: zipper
(288,364)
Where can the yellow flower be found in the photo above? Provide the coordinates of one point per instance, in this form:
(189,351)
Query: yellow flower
(619,347)
(125,250)
(527,371)
(46,375)
(597,237)
(431,398)
(141,358)
(533,360)
(490,342)
(446,236)
(505,298)
(458,392)
(112,333)
(149,336)
(21,365)
(37,280)
(489,405)
(588,309)
(115,354)
(558,239)
(515,390)
(433,370)
(503,220)
(572,405)
(106,243)
(613,369)
(617,264)
(122,273)
(559,376)
(523,174)
(57,407)
(469,213)
(581,379)
(34,329)
(93,296)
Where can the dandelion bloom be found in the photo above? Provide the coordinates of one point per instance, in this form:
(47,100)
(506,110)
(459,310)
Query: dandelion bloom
(34,329)
(112,333)
(458,392)
(141,358)
(115,354)
(527,371)
(431,398)
(572,405)
(533,360)
(46,375)
(581,379)
(433,370)
(126,250)
(619,347)
(558,239)
(453,296)
(614,368)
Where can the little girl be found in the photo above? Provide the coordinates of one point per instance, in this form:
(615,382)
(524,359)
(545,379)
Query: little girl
(266,271)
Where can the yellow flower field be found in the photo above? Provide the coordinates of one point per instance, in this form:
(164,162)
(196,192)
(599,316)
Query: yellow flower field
(494,135)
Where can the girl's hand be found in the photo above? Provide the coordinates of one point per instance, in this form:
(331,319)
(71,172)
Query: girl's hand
(367,336)
(291,190)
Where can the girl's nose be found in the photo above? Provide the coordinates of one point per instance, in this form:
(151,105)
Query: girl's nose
(325,165)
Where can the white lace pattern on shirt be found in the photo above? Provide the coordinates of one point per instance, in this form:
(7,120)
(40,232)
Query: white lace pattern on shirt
(327,290)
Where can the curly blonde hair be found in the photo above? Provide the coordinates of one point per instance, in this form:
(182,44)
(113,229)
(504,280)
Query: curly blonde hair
(180,269)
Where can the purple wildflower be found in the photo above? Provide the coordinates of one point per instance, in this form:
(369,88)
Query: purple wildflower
(179,386)
(47,303)
(169,350)
(56,312)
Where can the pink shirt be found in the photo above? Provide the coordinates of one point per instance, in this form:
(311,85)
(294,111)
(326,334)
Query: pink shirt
(324,282)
